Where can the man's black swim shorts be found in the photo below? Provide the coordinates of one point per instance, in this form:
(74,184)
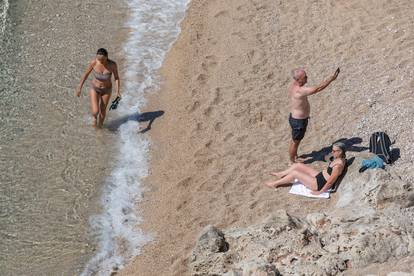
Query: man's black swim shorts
(298,127)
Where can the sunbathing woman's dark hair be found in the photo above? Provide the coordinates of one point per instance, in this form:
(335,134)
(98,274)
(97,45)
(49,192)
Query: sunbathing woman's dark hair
(102,51)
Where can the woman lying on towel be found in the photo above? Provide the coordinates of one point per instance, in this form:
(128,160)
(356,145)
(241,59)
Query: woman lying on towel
(318,182)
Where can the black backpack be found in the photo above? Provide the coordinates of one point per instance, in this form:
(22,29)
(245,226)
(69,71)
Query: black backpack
(380,144)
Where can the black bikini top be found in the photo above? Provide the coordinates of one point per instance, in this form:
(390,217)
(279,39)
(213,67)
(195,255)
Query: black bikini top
(329,169)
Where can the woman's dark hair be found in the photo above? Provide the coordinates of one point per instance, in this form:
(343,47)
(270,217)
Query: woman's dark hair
(102,51)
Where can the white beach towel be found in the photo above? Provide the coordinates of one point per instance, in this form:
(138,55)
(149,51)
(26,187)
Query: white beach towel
(300,189)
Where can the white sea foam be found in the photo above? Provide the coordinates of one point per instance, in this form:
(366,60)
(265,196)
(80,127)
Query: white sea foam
(4,7)
(154,25)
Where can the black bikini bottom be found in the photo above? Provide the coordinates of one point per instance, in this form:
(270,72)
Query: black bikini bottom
(320,180)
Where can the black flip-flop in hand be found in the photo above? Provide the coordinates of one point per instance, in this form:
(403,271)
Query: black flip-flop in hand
(115,103)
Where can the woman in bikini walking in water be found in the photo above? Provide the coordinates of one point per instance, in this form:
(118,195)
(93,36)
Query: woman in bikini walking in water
(101,85)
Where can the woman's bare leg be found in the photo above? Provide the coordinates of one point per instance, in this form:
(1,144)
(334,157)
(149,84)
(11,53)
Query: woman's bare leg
(298,167)
(305,169)
(289,178)
(307,179)
(285,172)
(94,106)
(102,108)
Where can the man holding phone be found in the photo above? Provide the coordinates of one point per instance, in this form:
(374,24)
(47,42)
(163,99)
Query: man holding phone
(300,108)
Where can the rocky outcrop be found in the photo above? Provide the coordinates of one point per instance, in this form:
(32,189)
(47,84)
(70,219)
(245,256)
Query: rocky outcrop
(372,222)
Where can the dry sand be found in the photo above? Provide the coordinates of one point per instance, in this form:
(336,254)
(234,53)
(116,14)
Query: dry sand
(226,107)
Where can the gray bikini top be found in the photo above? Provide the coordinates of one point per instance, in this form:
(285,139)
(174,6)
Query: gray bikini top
(102,76)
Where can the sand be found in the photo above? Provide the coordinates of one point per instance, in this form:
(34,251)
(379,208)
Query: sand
(226,107)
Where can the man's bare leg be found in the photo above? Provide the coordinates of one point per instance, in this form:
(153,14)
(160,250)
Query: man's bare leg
(293,152)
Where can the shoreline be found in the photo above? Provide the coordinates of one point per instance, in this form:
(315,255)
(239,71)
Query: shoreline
(172,156)
(225,122)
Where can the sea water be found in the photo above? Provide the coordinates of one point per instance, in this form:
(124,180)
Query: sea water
(52,162)
(4,8)
(154,25)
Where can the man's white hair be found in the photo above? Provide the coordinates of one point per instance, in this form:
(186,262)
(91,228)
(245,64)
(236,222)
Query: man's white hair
(297,73)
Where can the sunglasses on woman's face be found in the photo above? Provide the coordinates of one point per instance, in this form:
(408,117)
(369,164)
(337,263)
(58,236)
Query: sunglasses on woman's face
(334,150)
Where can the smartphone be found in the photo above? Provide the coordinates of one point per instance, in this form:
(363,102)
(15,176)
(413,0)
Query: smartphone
(337,71)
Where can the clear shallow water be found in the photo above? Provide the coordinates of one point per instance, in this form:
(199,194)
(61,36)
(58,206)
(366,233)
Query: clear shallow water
(52,163)
(49,175)
(4,8)
(54,166)
(153,25)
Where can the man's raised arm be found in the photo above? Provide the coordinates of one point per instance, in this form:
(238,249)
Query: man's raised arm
(313,90)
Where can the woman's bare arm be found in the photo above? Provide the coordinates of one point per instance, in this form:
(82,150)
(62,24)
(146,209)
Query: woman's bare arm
(84,77)
(336,172)
(117,80)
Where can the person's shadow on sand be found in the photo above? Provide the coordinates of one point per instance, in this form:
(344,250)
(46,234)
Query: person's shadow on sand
(139,117)
(321,154)
(149,117)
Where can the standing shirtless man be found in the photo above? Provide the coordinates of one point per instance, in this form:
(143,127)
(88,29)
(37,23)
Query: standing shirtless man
(300,108)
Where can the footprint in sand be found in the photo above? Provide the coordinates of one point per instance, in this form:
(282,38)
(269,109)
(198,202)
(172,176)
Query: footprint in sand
(212,40)
(253,205)
(203,164)
(217,126)
(193,107)
(221,14)
(202,152)
(404,64)
(241,138)
(210,63)
(184,182)
(199,126)
(208,144)
(194,92)
(254,191)
(255,56)
(208,111)
(217,97)
(202,79)
(181,205)
(397,35)
(228,136)
(260,7)
(246,19)
(239,35)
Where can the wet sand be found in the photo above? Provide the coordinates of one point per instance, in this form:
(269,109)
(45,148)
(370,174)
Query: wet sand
(53,163)
(226,107)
